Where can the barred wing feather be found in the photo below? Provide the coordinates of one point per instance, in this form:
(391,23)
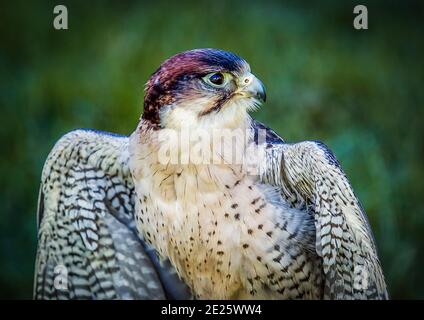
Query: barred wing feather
(88,247)
(311,178)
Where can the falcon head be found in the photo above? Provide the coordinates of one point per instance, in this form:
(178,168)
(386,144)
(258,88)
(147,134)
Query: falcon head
(210,88)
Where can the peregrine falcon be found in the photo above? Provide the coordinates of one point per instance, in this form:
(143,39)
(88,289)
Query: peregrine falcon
(174,212)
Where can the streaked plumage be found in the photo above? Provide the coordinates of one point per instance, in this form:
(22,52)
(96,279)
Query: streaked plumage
(296,230)
(86,224)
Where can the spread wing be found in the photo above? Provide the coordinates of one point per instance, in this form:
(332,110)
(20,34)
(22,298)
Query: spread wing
(311,178)
(88,246)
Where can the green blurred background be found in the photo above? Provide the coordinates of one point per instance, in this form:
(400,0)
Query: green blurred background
(361,92)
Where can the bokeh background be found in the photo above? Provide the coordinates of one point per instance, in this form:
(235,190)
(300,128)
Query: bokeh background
(361,92)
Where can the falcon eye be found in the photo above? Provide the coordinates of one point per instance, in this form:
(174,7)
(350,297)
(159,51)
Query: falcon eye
(216,79)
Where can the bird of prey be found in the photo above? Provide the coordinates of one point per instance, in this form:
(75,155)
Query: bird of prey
(120,218)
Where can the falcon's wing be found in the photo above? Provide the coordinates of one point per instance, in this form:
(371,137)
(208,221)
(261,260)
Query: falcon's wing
(88,246)
(311,178)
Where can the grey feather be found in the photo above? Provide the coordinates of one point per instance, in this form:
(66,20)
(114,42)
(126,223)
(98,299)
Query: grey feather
(86,222)
(86,226)
(310,178)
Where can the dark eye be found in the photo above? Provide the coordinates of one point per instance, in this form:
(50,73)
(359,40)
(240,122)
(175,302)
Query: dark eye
(217,78)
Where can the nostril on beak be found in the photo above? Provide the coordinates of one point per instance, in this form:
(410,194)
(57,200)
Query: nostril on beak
(253,87)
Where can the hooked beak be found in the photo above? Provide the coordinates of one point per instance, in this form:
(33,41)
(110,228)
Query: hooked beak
(250,86)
